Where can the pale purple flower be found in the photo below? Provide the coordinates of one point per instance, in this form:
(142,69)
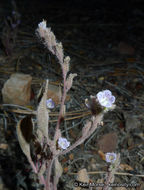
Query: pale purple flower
(111,157)
(63,143)
(50,103)
(42,25)
(105,98)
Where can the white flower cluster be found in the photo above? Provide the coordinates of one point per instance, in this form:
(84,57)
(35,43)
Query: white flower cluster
(63,143)
(111,157)
(105,98)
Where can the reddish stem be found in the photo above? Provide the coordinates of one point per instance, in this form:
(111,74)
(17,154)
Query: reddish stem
(41,178)
(48,175)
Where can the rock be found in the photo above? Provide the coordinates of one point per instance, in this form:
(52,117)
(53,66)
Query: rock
(55,93)
(125,49)
(17,89)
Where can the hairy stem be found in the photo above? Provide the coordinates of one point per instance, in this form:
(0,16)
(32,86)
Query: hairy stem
(48,175)
(41,178)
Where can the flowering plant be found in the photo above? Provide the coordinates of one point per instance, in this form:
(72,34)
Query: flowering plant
(63,143)
(114,159)
(110,157)
(105,98)
(47,148)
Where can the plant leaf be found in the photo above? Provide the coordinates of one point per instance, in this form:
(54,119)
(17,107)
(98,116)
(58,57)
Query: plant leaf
(42,114)
(69,81)
(25,146)
(27,128)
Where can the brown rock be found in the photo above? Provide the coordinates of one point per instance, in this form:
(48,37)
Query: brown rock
(17,89)
(126,49)
(108,142)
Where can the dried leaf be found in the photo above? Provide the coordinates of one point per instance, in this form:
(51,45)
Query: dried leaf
(102,155)
(27,128)
(125,167)
(23,143)
(83,175)
(42,114)
(108,142)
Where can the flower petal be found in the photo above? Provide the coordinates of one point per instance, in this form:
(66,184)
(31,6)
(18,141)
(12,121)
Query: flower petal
(100,96)
(63,143)
(111,157)
(112,99)
(50,103)
(107,93)
(105,98)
